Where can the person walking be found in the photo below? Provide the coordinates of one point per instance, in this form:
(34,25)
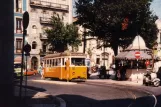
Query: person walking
(41,70)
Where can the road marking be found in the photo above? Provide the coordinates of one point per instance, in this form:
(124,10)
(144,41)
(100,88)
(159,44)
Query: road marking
(155,103)
(54,82)
(62,102)
(123,86)
(134,97)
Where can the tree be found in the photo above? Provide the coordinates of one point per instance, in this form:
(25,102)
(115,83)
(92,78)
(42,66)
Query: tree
(61,35)
(118,21)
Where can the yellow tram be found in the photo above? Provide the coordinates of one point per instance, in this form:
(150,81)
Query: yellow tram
(65,66)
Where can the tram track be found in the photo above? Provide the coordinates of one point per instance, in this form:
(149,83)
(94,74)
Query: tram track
(148,96)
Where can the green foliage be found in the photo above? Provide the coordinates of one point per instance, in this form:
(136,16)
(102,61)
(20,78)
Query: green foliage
(61,35)
(104,19)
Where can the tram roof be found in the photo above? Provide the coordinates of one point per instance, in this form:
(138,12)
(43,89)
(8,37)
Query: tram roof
(65,54)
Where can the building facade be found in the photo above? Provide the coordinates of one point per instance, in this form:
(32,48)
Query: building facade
(20,6)
(158,23)
(97,54)
(40,12)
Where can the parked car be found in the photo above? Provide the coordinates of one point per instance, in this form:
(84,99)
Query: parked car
(17,70)
(30,72)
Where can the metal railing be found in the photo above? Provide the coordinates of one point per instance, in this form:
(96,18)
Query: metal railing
(43,3)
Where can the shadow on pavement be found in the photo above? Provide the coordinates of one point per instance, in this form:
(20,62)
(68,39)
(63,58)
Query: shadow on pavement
(158,101)
(33,97)
(81,101)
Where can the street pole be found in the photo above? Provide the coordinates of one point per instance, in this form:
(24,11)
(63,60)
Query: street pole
(22,64)
(137,68)
(25,25)
(26,76)
(7,53)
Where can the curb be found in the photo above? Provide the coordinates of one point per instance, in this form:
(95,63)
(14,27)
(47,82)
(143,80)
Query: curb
(113,82)
(54,82)
(62,102)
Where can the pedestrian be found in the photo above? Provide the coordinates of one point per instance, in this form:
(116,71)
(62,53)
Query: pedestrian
(119,72)
(41,70)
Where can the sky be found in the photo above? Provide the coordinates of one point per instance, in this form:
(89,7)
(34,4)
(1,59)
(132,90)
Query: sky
(155,7)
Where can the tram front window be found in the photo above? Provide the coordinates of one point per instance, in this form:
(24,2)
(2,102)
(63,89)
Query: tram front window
(78,61)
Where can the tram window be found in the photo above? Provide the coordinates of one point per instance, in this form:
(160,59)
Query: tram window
(55,62)
(52,62)
(47,63)
(59,62)
(78,61)
(62,61)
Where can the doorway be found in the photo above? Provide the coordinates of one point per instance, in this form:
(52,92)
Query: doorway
(34,63)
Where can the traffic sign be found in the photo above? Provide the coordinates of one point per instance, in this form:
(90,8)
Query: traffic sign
(27,48)
(137,55)
(25,20)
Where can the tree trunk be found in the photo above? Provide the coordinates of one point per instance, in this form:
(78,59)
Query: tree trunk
(115,49)
(6,53)
(84,41)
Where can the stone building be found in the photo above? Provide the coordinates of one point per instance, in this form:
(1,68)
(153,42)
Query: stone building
(20,6)
(40,12)
(158,23)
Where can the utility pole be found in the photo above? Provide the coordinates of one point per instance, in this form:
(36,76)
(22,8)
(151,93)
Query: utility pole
(6,53)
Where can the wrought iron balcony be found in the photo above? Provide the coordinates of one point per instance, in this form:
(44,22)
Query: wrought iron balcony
(51,5)
(43,37)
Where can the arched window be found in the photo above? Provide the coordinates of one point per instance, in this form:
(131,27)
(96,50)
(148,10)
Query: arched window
(34,45)
(34,29)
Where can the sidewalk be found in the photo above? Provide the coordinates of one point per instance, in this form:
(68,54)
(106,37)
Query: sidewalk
(37,99)
(125,83)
